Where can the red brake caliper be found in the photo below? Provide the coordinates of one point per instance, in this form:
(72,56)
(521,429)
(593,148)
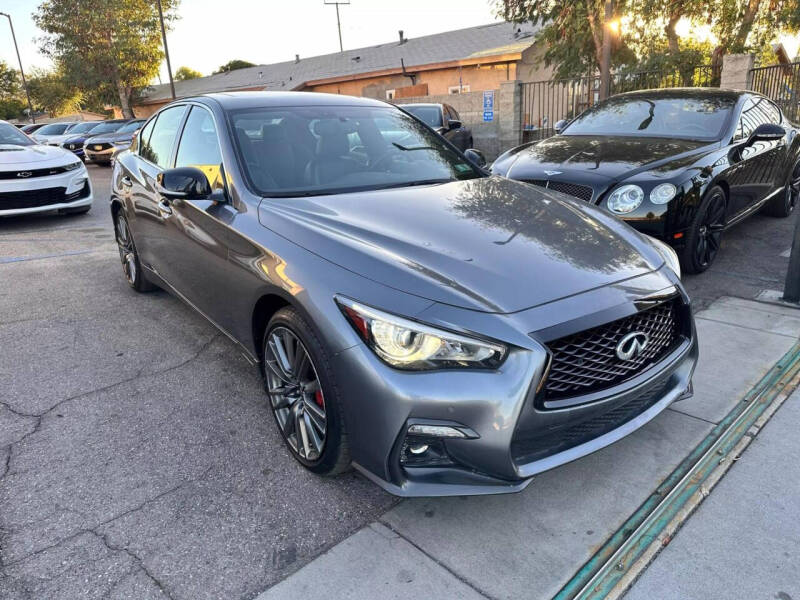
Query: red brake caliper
(319,399)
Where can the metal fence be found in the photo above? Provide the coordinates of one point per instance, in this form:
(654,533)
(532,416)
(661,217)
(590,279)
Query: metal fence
(544,103)
(781,84)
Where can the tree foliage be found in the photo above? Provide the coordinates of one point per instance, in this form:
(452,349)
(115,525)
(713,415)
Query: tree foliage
(184,73)
(112,46)
(12,103)
(573,31)
(53,93)
(233,65)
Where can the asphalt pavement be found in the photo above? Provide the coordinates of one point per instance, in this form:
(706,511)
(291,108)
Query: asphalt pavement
(137,455)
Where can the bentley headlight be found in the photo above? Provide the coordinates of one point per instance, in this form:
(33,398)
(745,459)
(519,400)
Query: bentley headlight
(663,193)
(625,198)
(667,253)
(406,344)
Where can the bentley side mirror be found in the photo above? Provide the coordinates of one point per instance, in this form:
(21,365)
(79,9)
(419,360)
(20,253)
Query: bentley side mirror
(766,132)
(476,157)
(453,124)
(560,125)
(185,183)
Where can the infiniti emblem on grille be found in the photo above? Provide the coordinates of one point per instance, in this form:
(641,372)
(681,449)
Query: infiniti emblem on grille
(24,174)
(632,345)
(551,173)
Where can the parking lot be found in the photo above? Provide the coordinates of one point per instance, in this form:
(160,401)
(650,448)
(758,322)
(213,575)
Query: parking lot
(139,457)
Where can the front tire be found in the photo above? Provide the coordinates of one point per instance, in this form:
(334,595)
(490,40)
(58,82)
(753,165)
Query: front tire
(131,267)
(704,237)
(302,394)
(783,206)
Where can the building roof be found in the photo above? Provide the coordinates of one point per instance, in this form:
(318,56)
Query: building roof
(463,46)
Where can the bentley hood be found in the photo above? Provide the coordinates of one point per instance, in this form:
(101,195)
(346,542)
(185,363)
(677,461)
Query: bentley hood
(595,157)
(487,244)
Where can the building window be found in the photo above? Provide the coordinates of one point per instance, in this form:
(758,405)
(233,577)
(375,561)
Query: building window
(458,89)
(390,94)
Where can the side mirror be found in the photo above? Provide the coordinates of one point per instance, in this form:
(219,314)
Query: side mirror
(453,124)
(476,157)
(186,183)
(766,132)
(560,125)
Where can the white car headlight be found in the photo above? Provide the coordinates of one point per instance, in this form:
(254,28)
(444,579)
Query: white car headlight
(625,198)
(663,193)
(667,253)
(406,344)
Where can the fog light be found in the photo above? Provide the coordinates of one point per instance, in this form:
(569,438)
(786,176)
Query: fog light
(421,449)
(422,452)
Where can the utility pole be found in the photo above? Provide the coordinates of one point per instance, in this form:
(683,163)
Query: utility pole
(21,72)
(791,291)
(336,3)
(605,64)
(166,50)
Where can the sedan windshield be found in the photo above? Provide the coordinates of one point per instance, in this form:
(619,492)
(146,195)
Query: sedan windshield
(13,136)
(54,129)
(84,127)
(128,127)
(107,127)
(303,151)
(430,115)
(687,117)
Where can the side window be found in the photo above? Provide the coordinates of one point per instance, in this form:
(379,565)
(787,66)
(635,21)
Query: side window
(142,140)
(163,137)
(750,118)
(454,114)
(773,115)
(199,146)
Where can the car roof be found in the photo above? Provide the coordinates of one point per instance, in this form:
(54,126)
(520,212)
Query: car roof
(685,92)
(245,100)
(430,104)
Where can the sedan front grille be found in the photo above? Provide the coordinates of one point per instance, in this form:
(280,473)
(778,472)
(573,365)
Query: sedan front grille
(98,147)
(26,174)
(587,361)
(582,192)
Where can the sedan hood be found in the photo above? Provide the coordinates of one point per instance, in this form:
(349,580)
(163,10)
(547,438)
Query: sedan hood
(599,157)
(39,155)
(487,244)
(109,138)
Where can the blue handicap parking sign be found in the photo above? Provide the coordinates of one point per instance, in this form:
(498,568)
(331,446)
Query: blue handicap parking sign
(488,115)
(488,101)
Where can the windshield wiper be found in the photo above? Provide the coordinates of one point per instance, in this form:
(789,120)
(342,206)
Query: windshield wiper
(409,148)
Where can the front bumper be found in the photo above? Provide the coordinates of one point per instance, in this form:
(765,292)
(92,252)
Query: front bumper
(77,194)
(99,156)
(517,437)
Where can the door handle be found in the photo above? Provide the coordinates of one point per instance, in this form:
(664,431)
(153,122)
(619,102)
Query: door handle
(164,208)
(126,181)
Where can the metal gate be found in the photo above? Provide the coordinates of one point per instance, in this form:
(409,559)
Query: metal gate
(544,103)
(781,84)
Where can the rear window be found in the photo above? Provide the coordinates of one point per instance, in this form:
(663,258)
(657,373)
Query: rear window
(54,129)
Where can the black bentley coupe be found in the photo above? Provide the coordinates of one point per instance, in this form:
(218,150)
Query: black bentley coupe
(681,165)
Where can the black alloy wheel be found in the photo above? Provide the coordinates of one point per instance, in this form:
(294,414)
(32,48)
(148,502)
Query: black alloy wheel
(302,396)
(131,267)
(784,204)
(705,234)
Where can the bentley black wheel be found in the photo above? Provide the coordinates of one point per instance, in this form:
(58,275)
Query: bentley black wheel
(704,237)
(302,396)
(131,267)
(783,205)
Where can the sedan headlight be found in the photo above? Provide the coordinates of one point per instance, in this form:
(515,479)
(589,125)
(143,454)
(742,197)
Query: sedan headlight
(73,166)
(667,253)
(625,199)
(663,193)
(406,344)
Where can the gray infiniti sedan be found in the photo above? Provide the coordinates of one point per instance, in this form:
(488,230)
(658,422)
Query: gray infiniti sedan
(442,330)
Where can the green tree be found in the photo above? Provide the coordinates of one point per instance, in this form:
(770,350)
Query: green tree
(53,93)
(113,45)
(233,65)
(184,73)
(11,99)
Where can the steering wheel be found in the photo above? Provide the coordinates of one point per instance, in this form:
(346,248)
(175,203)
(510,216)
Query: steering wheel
(381,159)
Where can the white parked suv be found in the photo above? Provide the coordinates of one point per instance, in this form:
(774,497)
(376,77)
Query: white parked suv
(38,178)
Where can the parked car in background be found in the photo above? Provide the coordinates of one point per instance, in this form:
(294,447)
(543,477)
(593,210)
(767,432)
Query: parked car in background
(102,148)
(51,134)
(444,119)
(76,129)
(36,178)
(29,129)
(75,143)
(681,165)
(443,330)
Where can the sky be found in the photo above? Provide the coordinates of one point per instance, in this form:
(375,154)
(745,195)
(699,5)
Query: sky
(266,31)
